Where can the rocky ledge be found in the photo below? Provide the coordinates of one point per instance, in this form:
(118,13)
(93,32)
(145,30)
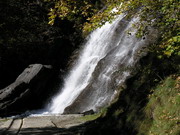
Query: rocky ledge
(43,125)
(27,90)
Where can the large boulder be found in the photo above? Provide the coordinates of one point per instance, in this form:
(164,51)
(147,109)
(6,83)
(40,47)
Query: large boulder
(27,90)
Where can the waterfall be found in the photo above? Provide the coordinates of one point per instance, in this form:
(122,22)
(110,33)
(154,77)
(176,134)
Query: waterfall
(103,65)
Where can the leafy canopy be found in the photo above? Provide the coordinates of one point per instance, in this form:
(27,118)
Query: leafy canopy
(161,14)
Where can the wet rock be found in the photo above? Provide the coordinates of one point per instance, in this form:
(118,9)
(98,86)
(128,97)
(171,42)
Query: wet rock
(90,112)
(27,89)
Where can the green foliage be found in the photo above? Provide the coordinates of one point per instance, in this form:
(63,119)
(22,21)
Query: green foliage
(171,47)
(90,117)
(73,10)
(161,14)
(162,110)
(118,112)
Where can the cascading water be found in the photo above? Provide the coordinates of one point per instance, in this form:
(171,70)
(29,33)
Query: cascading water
(101,67)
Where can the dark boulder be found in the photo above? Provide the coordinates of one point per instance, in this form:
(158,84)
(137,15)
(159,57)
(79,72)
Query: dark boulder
(89,112)
(27,90)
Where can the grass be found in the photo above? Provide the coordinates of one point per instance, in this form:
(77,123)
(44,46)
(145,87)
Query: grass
(160,116)
(163,109)
(90,117)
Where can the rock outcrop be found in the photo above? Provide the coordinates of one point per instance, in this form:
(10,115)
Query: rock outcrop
(43,125)
(26,91)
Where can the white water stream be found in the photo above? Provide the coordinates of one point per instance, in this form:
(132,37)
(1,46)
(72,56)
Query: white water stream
(107,50)
(94,50)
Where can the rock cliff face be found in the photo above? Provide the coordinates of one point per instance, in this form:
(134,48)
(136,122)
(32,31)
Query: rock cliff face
(27,90)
